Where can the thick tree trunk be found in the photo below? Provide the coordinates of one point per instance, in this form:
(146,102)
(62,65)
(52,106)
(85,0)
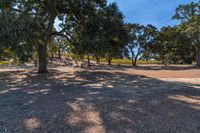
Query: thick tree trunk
(135,61)
(42,54)
(198,56)
(109,61)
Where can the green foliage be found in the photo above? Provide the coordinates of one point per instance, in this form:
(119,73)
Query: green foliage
(93,28)
(189,15)
(140,40)
(101,34)
(115,34)
(173,46)
(13,36)
(33,22)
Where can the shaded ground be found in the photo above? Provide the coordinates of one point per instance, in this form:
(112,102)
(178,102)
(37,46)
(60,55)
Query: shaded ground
(101,99)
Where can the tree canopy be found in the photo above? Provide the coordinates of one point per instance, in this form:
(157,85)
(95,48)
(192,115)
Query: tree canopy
(93,28)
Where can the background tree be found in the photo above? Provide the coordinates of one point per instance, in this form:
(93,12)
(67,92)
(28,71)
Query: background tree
(102,34)
(115,35)
(189,15)
(13,34)
(140,40)
(173,46)
(150,34)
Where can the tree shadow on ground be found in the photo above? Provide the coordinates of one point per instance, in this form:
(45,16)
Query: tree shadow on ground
(96,101)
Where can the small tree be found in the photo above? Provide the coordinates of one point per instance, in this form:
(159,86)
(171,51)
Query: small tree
(140,40)
(136,42)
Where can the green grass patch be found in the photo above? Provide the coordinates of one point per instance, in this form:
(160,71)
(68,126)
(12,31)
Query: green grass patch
(127,61)
(117,61)
(4,63)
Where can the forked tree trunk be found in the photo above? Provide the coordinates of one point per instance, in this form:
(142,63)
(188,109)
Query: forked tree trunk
(135,62)
(42,55)
(198,56)
(133,58)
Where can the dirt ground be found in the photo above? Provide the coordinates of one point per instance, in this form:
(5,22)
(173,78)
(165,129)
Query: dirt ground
(100,99)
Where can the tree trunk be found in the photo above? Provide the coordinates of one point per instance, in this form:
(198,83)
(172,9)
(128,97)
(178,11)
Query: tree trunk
(88,59)
(97,59)
(162,59)
(109,61)
(198,56)
(42,52)
(132,59)
(135,61)
(59,53)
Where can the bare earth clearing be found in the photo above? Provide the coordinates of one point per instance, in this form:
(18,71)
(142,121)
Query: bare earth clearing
(118,99)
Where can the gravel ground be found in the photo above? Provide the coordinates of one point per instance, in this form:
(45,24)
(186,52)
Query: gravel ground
(118,99)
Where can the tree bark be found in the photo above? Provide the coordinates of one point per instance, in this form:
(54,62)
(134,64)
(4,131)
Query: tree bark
(42,54)
(135,61)
(109,62)
(198,56)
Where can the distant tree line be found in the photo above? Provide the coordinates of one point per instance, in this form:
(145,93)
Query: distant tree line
(40,29)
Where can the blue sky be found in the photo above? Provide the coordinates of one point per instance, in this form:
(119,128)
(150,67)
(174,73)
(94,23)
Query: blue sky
(156,12)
